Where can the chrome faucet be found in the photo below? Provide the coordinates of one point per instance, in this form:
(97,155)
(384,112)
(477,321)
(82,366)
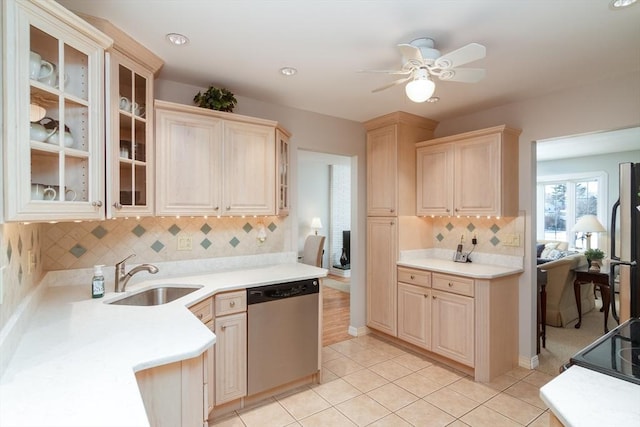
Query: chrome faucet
(122,277)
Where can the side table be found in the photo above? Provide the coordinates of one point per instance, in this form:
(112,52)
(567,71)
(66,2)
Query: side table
(599,279)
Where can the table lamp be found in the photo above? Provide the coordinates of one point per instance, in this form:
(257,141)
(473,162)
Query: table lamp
(588,224)
(316,224)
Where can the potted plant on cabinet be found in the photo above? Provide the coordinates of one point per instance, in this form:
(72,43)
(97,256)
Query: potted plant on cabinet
(594,258)
(214,98)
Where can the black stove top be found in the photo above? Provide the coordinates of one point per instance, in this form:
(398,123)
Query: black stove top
(617,353)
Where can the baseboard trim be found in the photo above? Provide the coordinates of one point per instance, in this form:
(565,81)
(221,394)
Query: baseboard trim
(528,362)
(358,332)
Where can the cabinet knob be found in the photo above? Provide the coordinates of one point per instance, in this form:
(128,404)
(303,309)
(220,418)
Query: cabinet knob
(117,205)
(228,208)
(392,210)
(200,316)
(223,327)
(426,295)
(97,203)
(450,284)
(434,297)
(456,209)
(448,210)
(232,304)
(413,277)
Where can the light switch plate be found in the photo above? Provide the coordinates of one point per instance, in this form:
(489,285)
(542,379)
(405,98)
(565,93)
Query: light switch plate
(185,242)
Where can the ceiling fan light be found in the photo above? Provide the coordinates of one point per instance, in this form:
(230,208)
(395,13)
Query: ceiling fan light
(419,90)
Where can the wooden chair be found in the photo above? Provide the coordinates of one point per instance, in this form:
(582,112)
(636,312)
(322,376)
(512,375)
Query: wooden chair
(313,250)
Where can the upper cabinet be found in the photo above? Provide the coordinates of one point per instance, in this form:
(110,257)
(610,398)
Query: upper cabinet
(214,163)
(53,109)
(130,69)
(391,165)
(474,173)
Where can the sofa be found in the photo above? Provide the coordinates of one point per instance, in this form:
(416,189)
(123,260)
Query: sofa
(561,302)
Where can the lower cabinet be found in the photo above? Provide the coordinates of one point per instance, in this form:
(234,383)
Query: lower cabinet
(231,346)
(469,321)
(173,394)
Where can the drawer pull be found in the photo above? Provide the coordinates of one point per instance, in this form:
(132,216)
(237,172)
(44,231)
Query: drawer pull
(450,284)
(413,277)
(223,327)
(200,316)
(434,297)
(232,304)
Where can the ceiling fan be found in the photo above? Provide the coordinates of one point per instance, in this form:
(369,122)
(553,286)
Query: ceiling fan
(421,61)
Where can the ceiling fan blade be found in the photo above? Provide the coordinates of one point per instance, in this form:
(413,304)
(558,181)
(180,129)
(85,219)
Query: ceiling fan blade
(401,72)
(464,75)
(410,53)
(469,53)
(394,83)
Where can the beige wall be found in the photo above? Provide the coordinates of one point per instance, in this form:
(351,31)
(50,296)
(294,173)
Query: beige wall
(609,104)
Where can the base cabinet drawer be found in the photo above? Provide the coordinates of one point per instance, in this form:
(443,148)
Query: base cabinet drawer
(455,284)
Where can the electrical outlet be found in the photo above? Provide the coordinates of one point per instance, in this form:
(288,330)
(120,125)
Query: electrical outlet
(185,243)
(511,240)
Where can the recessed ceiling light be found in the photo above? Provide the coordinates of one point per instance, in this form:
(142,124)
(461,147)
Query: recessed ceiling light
(288,71)
(433,99)
(177,39)
(620,4)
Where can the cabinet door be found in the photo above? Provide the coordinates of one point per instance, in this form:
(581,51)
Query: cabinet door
(231,357)
(477,176)
(188,164)
(209,375)
(282,170)
(54,101)
(435,180)
(382,171)
(249,169)
(382,253)
(453,327)
(414,315)
(129,138)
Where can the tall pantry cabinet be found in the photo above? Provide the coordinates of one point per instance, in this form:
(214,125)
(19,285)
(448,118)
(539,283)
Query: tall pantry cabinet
(391,205)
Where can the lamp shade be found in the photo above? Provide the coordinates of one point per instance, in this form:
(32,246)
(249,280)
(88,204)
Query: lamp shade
(316,223)
(588,224)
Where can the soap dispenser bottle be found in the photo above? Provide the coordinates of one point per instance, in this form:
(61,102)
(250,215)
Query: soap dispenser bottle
(97,283)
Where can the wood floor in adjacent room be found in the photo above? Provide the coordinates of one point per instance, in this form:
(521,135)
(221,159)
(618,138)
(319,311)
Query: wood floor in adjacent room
(335,315)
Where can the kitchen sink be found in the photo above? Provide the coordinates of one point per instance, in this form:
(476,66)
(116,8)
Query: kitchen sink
(156,296)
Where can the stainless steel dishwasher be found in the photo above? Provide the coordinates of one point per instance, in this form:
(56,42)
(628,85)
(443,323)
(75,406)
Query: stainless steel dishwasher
(282,335)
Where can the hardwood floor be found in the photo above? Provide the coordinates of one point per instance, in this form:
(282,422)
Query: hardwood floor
(335,316)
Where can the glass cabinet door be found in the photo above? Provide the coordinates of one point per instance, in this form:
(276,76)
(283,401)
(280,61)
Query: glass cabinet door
(282,164)
(55,153)
(130,137)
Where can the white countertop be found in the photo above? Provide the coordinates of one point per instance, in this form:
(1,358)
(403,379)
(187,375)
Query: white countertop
(468,269)
(581,397)
(76,363)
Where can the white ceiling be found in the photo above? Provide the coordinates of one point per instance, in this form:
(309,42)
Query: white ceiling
(534,47)
(592,144)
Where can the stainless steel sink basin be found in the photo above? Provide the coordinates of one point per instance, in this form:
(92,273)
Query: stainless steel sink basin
(157,295)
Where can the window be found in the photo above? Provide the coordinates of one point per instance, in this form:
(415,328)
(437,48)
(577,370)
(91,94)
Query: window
(563,199)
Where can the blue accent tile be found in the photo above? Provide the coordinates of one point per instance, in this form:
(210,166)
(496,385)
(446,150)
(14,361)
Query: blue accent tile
(272,227)
(206,228)
(99,232)
(205,243)
(138,230)
(174,229)
(234,242)
(494,241)
(20,245)
(247,228)
(471,227)
(449,226)
(9,250)
(157,246)
(494,228)
(440,237)
(77,251)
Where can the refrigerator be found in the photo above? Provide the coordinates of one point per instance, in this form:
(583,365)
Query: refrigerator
(625,243)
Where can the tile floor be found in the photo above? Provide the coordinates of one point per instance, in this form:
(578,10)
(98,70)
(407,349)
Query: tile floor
(370,382)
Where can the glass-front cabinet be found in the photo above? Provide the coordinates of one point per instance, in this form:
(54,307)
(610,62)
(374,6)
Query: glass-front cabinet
(282,170)
(129,138)
(53,110)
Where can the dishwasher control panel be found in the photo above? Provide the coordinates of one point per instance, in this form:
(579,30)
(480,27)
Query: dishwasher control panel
(282,290)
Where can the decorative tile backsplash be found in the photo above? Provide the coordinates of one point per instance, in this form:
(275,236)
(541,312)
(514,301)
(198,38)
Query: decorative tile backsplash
(18,241)
(154,239)
(492,233)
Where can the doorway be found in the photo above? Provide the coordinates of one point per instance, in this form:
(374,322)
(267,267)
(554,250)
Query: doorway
(324,198)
